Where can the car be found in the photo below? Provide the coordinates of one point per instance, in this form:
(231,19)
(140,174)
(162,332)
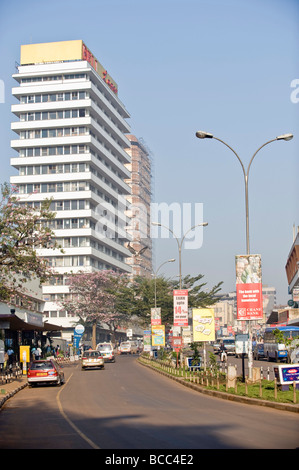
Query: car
(230,346)
(92,359)
(125,347)
(134,347)
(258,351)
(128,347)
(45,371)
(107,351)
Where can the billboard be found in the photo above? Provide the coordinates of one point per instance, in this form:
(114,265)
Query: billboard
(62,51)
(156,316)
(249,287)
(203,324)
(158,335)
(180,307)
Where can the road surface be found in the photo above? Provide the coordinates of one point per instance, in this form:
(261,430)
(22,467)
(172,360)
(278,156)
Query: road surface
(129,406)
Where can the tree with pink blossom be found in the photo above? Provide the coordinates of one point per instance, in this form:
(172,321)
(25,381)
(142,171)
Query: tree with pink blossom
(96,298)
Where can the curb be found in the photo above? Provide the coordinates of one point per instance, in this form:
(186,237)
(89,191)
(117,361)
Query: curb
(227,396)
(11,394)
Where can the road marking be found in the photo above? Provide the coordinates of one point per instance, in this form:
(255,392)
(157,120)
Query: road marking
(81,434)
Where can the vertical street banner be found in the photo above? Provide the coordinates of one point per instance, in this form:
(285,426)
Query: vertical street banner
(203,324)
(180,307)
(147,340)
(158,335)
(249,287)
(156,316)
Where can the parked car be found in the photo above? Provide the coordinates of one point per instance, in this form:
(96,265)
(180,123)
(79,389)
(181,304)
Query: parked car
(45,371)
(92,359)
(107,351)
(258,351)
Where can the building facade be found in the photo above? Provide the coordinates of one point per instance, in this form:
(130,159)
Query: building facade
(139,211)
(71,138)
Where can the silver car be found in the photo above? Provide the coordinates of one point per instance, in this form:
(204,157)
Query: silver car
(92,359)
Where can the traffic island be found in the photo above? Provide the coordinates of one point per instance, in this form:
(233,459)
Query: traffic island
(205,384)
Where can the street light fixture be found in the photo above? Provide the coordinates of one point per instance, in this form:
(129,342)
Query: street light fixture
(286,137)
(180,243)
(155,277)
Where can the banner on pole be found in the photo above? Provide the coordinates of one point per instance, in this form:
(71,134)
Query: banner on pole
(180,307)
(156,316)
(249,287)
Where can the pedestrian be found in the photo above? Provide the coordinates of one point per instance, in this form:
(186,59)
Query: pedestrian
(223,355)
(10,354)
(38,353)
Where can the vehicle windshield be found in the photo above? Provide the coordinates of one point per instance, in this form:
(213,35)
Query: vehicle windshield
(229,341)
(125,344)
(104,347)
(91,354)
(41,365)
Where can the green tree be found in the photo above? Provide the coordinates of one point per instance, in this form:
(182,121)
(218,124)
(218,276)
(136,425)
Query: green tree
(23,230)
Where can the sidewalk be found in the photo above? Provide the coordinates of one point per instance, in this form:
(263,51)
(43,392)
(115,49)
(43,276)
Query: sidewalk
(7,390)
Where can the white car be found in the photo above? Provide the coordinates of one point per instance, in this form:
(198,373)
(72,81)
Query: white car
(128,347)
(107,351)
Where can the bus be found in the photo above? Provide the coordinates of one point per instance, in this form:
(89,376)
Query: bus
(277,351)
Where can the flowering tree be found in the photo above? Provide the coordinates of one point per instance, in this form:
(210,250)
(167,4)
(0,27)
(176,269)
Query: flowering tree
(95,297)
(22,231)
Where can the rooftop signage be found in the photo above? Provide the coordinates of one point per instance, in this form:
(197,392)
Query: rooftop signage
(64,51)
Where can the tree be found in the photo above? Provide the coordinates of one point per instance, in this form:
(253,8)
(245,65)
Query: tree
(94,298)
(23,230)
(144,295)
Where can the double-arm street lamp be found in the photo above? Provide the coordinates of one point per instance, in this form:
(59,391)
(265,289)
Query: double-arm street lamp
(206,135)
(155,277)
(180,243)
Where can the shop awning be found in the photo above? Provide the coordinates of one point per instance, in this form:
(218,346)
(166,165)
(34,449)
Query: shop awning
(17,324)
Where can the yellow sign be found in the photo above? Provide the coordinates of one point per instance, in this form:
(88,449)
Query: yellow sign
(158,335)
(203,324)
(61,51)
(24,353)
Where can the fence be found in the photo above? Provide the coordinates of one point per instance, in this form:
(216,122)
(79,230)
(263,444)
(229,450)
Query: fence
(10,373)
(219,379)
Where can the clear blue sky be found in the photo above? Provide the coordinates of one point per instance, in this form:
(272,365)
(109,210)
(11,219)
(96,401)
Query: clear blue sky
(224,66)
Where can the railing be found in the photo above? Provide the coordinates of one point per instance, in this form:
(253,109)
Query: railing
(10,373)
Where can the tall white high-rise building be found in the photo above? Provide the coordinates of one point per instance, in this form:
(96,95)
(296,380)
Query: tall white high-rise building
(71,141)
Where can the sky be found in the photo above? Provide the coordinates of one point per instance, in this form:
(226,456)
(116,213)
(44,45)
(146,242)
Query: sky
(228,67)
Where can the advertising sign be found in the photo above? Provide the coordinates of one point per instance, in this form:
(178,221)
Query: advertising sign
(241,344)
(147,340)
(158,335)
(180,307)
(203,324)
(287,374)
(249,287)
(156,316)
(78,333)
(177,343)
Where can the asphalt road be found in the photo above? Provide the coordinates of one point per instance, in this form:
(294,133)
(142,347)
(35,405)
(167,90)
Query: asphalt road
(128,406)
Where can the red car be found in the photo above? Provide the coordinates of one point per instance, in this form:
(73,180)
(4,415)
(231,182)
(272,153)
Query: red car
(45,371)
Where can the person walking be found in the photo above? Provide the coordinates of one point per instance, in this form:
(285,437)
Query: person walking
(10,353)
